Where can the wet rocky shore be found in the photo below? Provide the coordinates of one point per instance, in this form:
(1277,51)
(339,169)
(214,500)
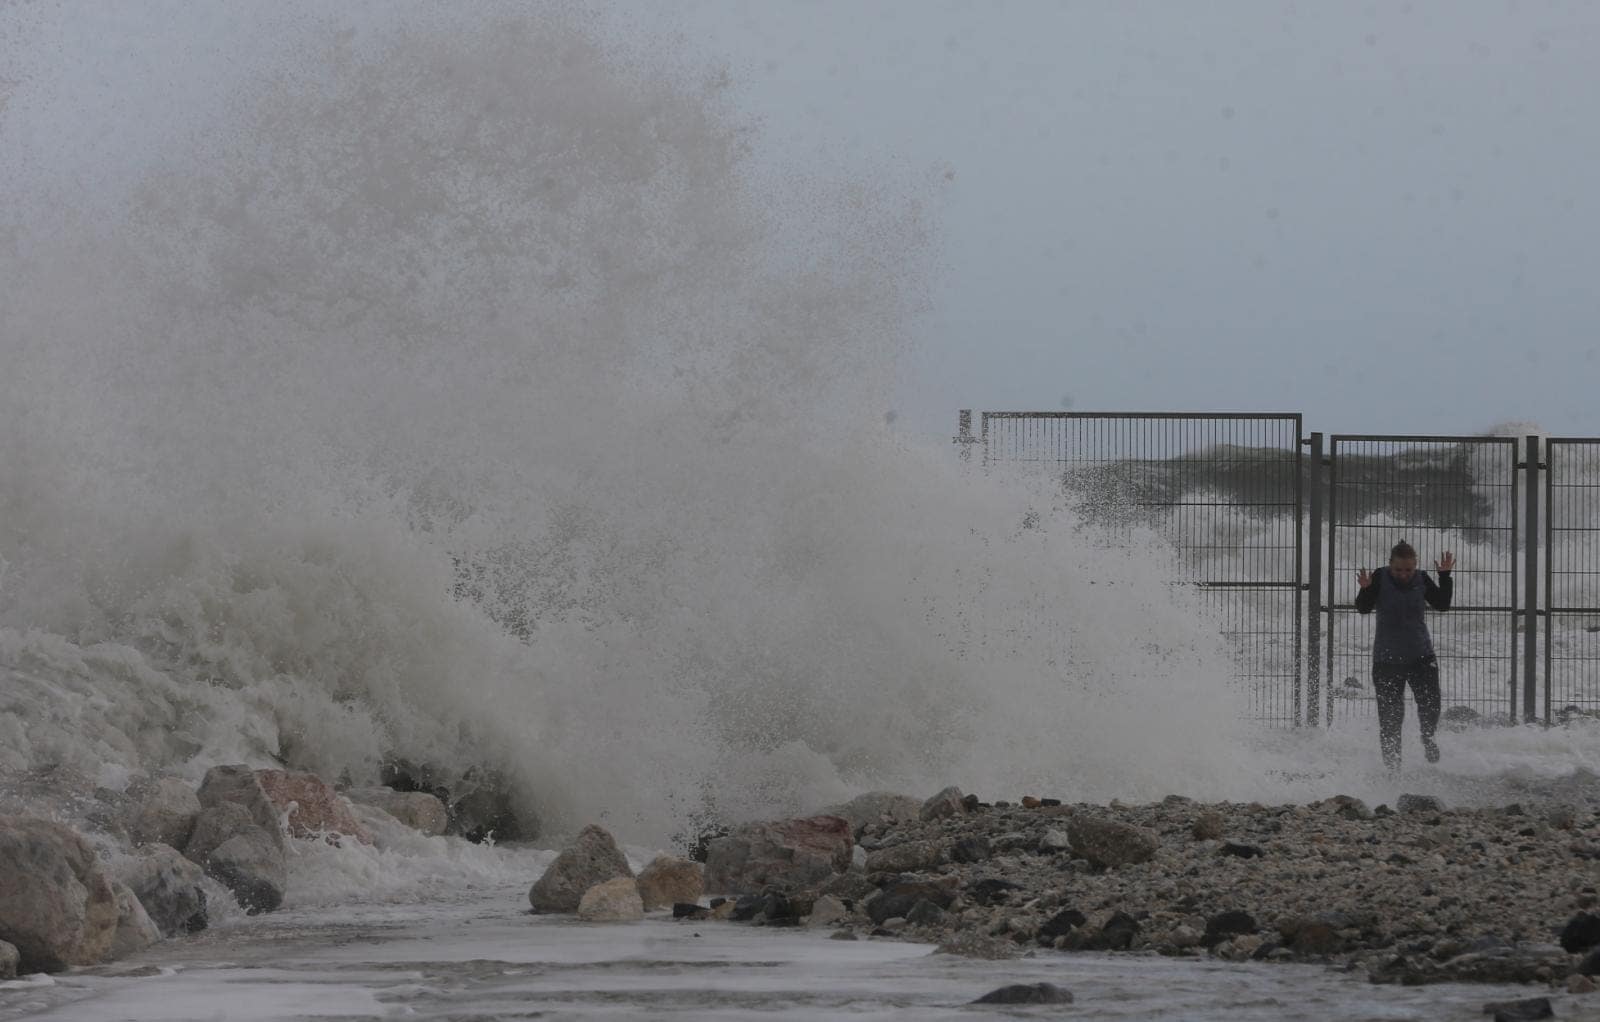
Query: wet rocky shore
(1414,893)
(1418,892)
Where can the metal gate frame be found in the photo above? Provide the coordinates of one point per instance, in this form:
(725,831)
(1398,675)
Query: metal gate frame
(1559,568)
(1519,680)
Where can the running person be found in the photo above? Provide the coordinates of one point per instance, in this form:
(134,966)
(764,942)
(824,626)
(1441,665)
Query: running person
(1402,649)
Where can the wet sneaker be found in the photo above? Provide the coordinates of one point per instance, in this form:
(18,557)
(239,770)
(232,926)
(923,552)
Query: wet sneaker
(1430,748)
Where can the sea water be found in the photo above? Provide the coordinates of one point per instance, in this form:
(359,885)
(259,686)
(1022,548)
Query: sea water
(486,957)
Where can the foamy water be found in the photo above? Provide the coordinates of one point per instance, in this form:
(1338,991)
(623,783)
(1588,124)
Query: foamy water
(460,390)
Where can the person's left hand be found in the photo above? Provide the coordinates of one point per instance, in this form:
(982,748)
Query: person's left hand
(1446,562)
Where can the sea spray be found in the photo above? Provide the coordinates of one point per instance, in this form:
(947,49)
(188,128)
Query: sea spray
(466,392)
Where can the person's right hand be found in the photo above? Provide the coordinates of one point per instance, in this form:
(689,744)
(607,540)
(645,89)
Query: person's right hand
(1364,577)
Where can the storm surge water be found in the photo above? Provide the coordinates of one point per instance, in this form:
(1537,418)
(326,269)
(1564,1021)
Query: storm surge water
(477,395)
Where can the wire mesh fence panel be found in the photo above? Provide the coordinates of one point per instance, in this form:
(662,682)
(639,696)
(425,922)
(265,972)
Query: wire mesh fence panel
(1224,491)
(1572,579)
(1437,493)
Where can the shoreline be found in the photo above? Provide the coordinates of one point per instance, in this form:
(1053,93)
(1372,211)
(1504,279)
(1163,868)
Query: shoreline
(1422,894)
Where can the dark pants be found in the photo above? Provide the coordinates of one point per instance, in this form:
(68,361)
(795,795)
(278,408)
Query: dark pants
(1390,681)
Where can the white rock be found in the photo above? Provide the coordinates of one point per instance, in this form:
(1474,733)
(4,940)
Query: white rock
(615,901)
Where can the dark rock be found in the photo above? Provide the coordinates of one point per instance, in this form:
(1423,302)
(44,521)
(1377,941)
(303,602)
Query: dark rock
(687,910)
(843,935)
(253,867)
(1311,936)
(1117,934)
(900,898)
(1062,923)
(746,908)
(1226,925)
(948,802)
(1049,802)
(1241,851)
(1418,804)
(1346,807)
(991,891)
(1581,933)
(1027,993)
(908,857)
(484,807)
(925,913)
(970,803)
(971,849)
(1207,826)
(238,785)
(1590,965)
(169,887)
(1520,1011)
(1109,843)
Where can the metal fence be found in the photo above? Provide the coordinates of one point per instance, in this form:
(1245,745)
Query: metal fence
(1438,493)
(1224,490)
(1273,538)
(1572,578)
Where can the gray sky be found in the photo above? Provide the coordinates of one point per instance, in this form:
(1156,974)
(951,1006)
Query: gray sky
(1379,214)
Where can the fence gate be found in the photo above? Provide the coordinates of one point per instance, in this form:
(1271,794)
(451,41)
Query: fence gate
(1225,489)
(1571,578)
(1438,493)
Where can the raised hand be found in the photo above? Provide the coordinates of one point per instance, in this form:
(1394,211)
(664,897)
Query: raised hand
(1446,562)
(1364,577)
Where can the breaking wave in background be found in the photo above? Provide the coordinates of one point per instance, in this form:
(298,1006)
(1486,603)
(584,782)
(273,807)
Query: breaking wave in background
(471,394)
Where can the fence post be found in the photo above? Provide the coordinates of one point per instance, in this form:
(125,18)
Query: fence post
(1530,589)
(964,438)
(1314,588)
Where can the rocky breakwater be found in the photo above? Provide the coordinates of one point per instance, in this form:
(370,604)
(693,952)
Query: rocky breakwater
(1417,893)
(65,901)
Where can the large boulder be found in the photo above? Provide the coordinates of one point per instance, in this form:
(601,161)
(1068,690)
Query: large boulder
(419,810)
(311,806)
(57,906)
(238,785)
(949,802)
(615,901)
(877,807)
(162,811)
(1109,843)
(669,880)
(591,858)
(251,866)
(10,958)
(245,857)
(785,853)
(482,808)
(170,887)
(135,930)
(908,857)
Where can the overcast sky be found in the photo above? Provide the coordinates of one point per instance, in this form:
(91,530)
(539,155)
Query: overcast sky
(1381,214)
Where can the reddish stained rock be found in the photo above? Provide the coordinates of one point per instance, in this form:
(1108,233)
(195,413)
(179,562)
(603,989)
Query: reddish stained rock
(318,809)
(788,853)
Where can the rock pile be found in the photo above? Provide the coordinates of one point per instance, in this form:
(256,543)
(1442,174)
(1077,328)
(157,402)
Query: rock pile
(1429,894)
(61,906)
